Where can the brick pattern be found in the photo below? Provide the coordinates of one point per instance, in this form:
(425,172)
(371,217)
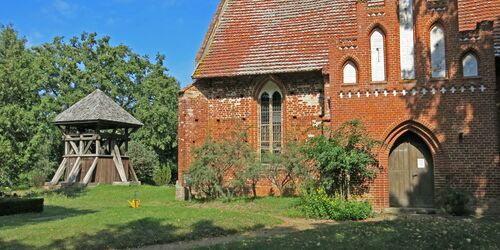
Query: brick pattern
(438,110)
(472,12)
(457,117)
(219,106)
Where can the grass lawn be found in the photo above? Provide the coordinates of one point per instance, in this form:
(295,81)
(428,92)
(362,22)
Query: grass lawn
(99,217)
(413,232)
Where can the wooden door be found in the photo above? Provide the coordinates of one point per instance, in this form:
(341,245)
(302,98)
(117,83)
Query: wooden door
(411,175)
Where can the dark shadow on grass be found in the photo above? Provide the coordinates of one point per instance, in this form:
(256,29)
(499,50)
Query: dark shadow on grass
(68,192)
(50,213)
(143,232)
(413,232)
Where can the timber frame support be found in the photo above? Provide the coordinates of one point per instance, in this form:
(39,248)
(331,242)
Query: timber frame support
(88,155)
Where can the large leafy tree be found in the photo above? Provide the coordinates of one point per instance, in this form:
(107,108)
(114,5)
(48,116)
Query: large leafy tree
(38,83)
(22,138)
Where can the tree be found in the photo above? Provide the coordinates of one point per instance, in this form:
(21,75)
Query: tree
(284,169)
(38,83)
(73,70)
(24,142)
(216,160)
(144,160)
(343,158)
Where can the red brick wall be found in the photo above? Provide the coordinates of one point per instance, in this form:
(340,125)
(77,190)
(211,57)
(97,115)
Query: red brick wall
(472,163)
(216,107)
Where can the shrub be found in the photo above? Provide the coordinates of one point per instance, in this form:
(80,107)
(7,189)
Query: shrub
(317,204)
(283,170)
(343,158)
(215,160)
(162,176)
(455,202)
(144,160)
(18,206)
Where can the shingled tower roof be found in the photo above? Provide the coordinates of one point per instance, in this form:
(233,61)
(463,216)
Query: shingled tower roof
(97,110)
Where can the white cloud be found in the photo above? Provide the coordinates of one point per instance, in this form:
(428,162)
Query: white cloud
(65,8)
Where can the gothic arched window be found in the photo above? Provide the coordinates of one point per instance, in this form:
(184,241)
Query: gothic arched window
(350,73)
(470,65)
(438,52)
(271,114)
(377,56)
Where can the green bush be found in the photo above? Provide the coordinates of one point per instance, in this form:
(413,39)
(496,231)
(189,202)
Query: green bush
(162,176)
(214,161)
(144,160)
(10,206)
(317,204)
(455,202)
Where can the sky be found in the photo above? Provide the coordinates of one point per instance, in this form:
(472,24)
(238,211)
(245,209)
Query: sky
(174,28)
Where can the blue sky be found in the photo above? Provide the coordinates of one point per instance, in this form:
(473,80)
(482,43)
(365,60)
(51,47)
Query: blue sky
(174,28)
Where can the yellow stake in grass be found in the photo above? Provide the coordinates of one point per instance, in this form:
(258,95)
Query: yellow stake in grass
(135,203)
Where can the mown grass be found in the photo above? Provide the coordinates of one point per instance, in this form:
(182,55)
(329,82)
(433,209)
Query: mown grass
(99,217)
(416,232)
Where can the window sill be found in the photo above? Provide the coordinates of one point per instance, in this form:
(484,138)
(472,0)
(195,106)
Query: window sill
(378,83)
(348,84)
(437,79)
(408,81)
(472,78)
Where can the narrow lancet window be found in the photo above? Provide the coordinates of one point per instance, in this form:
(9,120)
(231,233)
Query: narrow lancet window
(438,52)
(350,73)
(377,56)
(406,39)
(470,65)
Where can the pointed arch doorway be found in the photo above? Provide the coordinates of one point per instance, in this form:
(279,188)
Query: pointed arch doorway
(411,173)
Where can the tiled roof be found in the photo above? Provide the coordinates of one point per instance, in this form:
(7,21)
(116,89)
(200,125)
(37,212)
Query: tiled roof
(268,36)
(471,12)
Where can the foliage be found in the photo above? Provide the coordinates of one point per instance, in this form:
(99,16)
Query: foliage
(318,204)
(162,176)
(455,201)
(250,175)
(38,83)
(10,206)
(144,160)
(343,158)
(283,170)
(215,160)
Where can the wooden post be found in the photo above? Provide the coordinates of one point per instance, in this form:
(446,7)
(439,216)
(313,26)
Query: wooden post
(87,177)
(117,158)
(126,142)
(132,171)
(59,172)
(74,147)
(74,170)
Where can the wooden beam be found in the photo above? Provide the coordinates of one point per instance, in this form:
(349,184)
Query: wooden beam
(97,146)
(74,170)
(84,155)
(87,147)
(74,147)
(87,177)
(132,171)
(59,172)
(117,158)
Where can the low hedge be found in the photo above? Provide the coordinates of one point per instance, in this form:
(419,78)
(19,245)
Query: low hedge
(10,206)
(317,204)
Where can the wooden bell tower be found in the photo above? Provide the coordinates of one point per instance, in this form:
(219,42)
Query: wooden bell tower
(96,135)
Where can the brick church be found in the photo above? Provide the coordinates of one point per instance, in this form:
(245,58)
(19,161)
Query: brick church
(420,74)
